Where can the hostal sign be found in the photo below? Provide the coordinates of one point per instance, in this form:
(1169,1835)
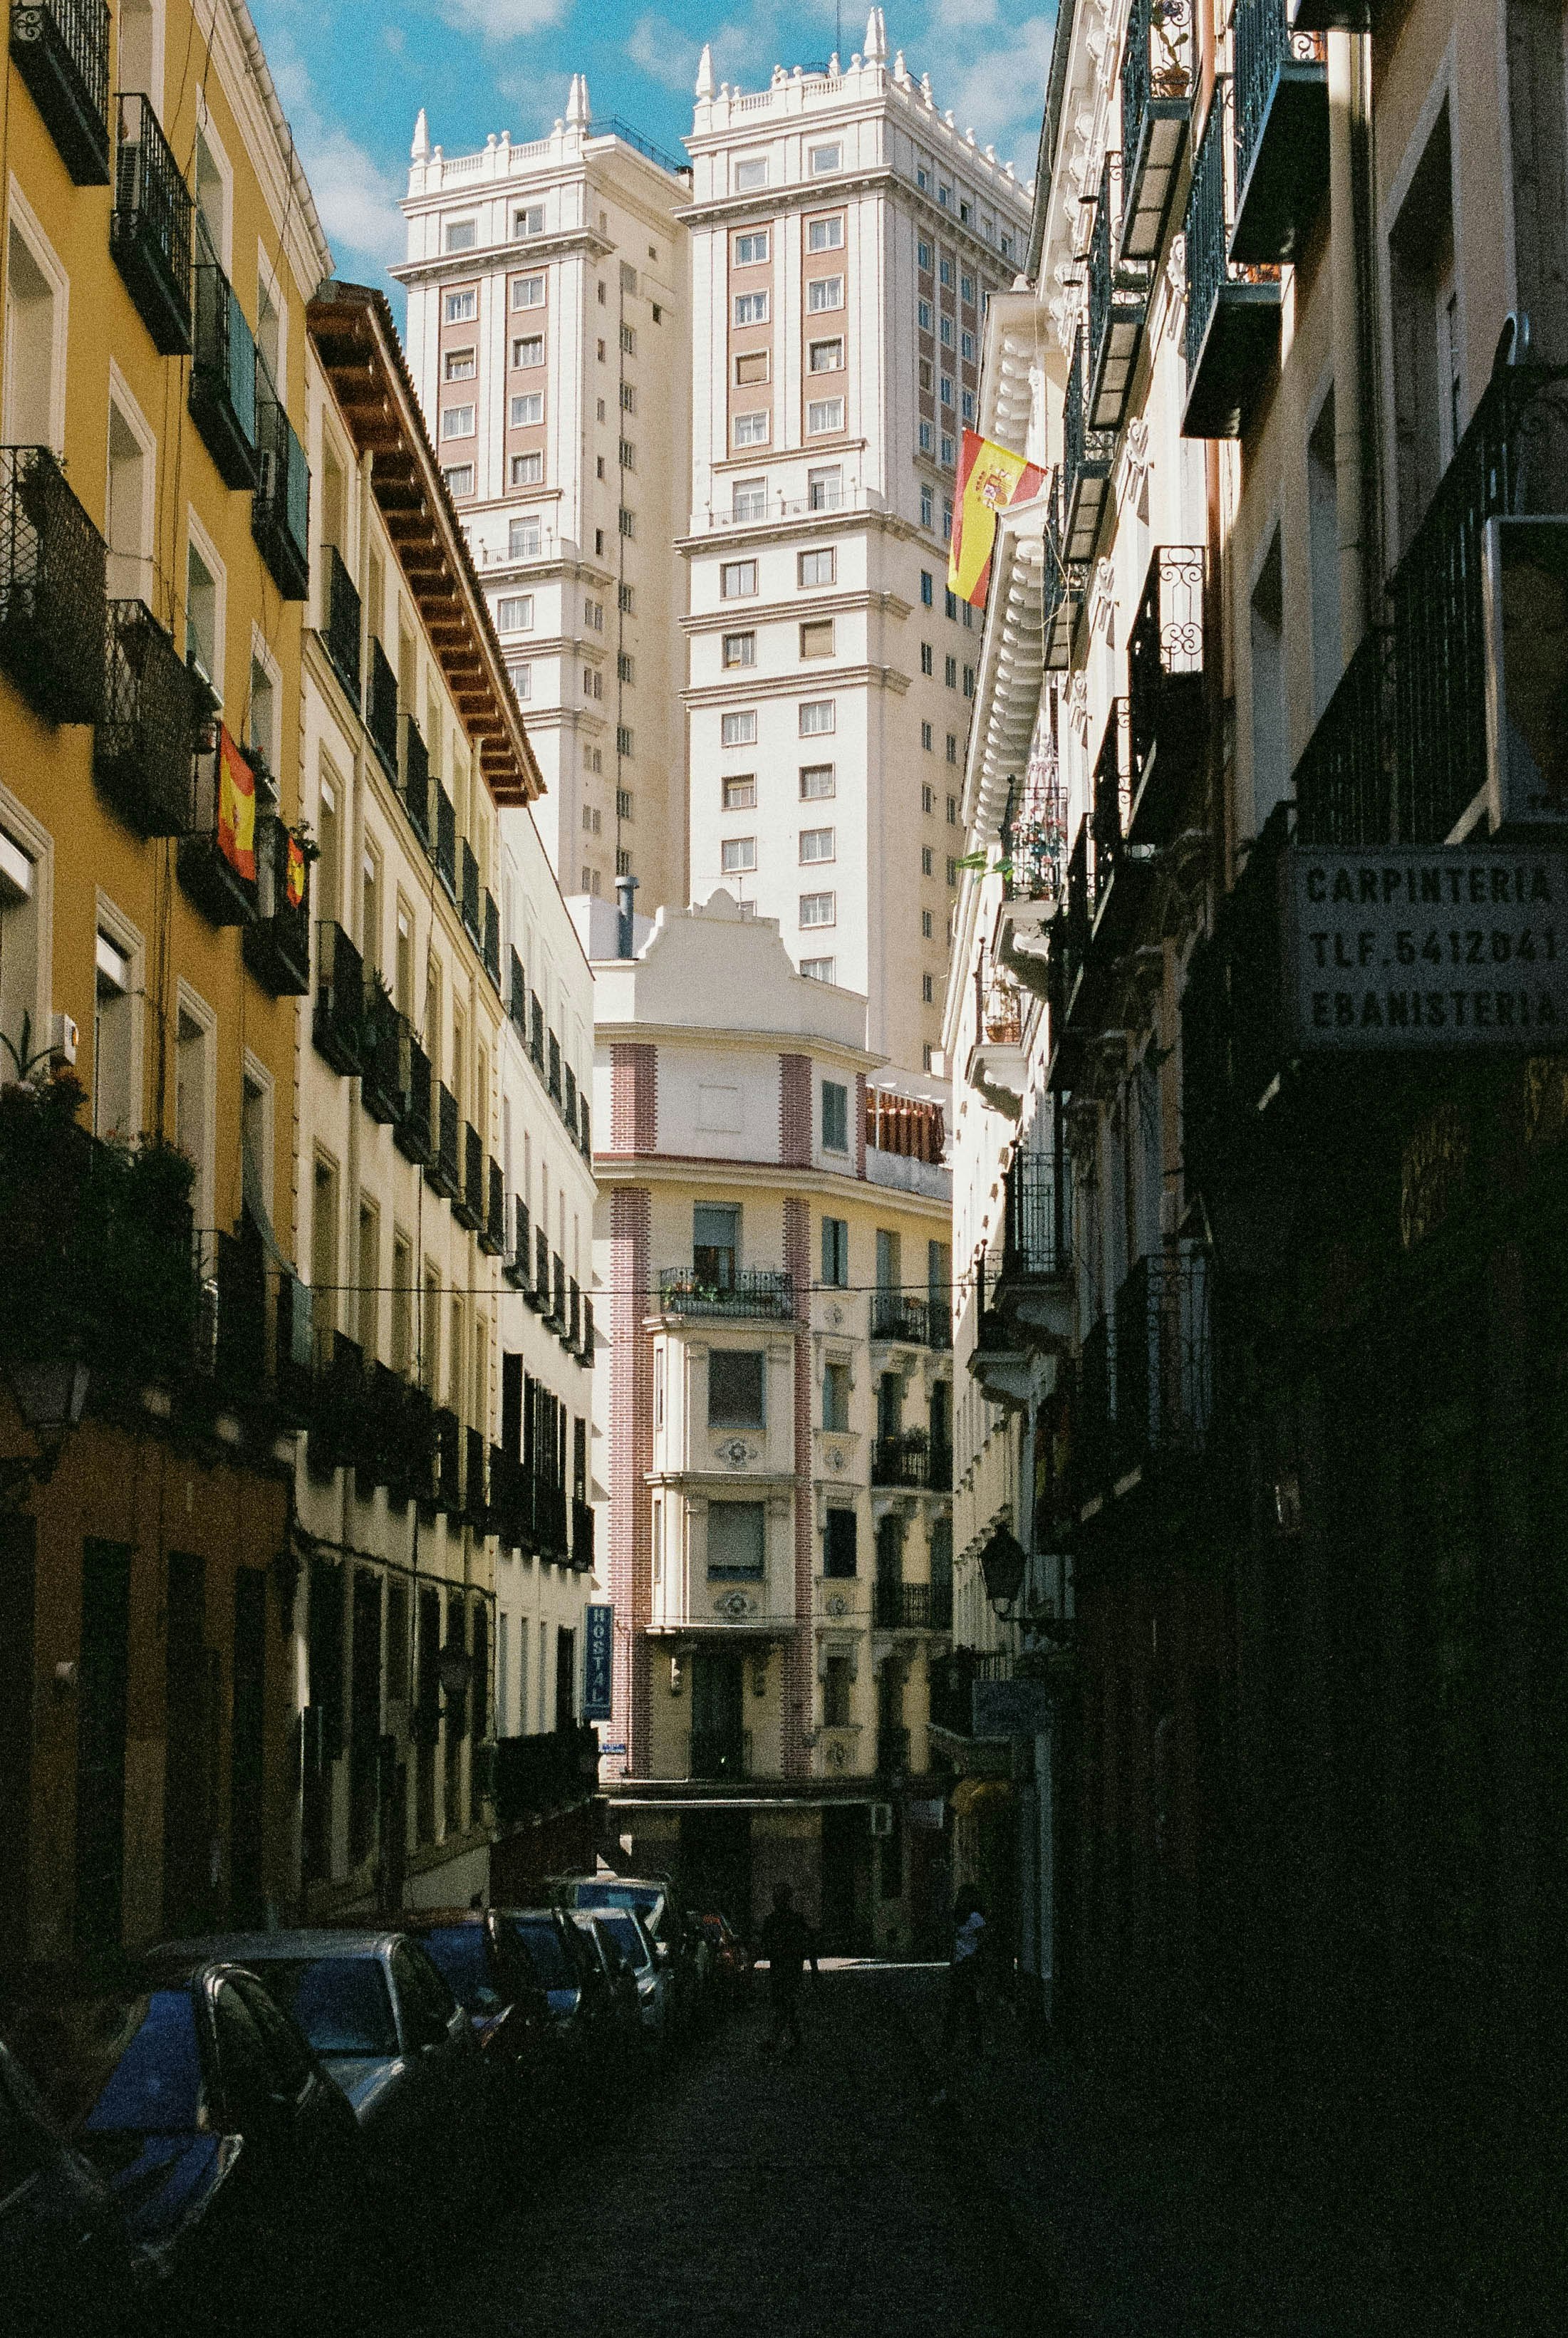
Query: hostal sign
(1399,947)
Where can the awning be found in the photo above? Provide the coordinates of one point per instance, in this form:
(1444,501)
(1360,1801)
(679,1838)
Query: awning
(972,1794)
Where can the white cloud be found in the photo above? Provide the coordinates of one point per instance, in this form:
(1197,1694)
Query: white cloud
(663,52)
(502,20)
(358,200)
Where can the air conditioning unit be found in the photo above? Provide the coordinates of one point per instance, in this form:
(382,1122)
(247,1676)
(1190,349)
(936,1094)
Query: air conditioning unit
(881,1818)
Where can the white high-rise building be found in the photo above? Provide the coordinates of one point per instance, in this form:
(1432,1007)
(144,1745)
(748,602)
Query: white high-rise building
(845,236)
(548,336)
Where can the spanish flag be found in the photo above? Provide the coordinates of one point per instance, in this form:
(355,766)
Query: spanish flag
(990,477)
(236,808)
(294,879)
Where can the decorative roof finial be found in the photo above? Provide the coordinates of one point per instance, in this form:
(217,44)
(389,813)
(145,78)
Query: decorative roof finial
(420,150)
(705,73)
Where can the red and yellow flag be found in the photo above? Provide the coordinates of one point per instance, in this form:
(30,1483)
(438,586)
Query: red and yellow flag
(236,808)
(990,477)
(294,879)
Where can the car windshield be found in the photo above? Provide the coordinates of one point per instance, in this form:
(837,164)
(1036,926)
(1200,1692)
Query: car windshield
(539,1937)
(110,2065)
(339,2002)
(459,1951)
(626,1937)
(640,1896)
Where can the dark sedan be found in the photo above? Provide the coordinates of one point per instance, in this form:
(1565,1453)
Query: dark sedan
(66,2257)
(491,1972)
(582,2004)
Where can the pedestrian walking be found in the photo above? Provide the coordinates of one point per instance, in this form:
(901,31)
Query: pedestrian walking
(789,1944)
(965,1972)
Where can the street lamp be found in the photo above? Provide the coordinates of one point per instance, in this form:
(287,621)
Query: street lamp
(454,1670)
(1003,1564)
(49,1394)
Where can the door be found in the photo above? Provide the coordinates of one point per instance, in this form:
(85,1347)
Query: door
(846,1858)
(17,1575)
(716,1865)
(247,1753)
(102,1686)
(717,1707)
(187,1809)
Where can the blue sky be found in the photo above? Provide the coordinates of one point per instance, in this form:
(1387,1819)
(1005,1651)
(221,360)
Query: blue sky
(353,74)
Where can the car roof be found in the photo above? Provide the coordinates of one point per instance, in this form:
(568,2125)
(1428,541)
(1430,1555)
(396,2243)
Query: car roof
(548,1912)
(262,1948)
(423,1919)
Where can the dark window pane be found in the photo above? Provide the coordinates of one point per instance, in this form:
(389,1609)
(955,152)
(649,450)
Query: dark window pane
(458,1953)
(155,2085)
(735,1539)
(339,2002)
(734,1388)
(543,1942)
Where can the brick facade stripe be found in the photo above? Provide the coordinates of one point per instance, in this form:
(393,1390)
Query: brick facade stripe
(798,1682)
(795,1111)
(631,1443)
(860,1097)
(633,1096)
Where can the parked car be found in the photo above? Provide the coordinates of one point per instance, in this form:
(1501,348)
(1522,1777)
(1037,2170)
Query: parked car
(731,1957)
(66,2256)
(579,1994)
(201,2105)
(491,1971)
(620,1981)
(653,1978)
(386,2026)
(653,1898)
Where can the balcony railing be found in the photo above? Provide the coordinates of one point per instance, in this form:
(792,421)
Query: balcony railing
(1343,784)
(381,1054)
(1233,308)
(381,707)
(277,945)
(476,1486)
(493,1232)
(549,1771)
(519,1267)
(556,1313)
(1118,302)
(150,232)
(341,621)
(142,748)
(1163,1400)
(1166,708)
(217,860)
(1062,590)
(337,1027)
(913,1459)
(912,1321)
(587,1328)
(1511,460)
(468,1206)
(1037,1239)
(492,939)
(415,779)
(1156,108)
(1233,1020)
(445,840)
(573,1329)
(539,1297)
(448,1478)
(553,1075)
(412,1132)
(1281,131)
(1094,1419)
(582,1535)
(1085,463)
(912,1606)
(517,994)
(749,1290)
(444,1170)
(280,507)
(53,612)
(223,377)
(61,49)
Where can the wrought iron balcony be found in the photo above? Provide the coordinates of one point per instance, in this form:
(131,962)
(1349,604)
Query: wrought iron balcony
(1167,712)
(1037,1220)
(584,1119)
(61,49)
(1163,1399)
(223,376)
(1343,784)
(1233,308)
(1123,871)
(475,1490)
(381,1053)
(519,1267)
(555,1315)
(412,1476)
(1064,588)
(535,1031)
(1118,304)
(280,507)
(539,1296)
(468,889)
(552,1073)
(912,1606)
(381,707)
(912,1459)
(142,748)
(492,944)
(445,840)
(517,995)
(342,1428)
(150,232)
(510,1509)
(1094,1412)
(1085,462)
(468,1200)
(337,1027)
(449,1491)
(493,1232)
(444,1170)
(277,945)
(1156,110)
(1233,1030)
(411,1132)
(217,860)
(747,1291)
(341,619)
(1513,459)
(588,1332)
(550,1532)
(53,611)
(415,764)
(1281,131)
(573,1330)
(582,1535)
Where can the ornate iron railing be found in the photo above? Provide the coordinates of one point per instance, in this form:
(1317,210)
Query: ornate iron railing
(912,1606)
(337,1028)
(1343,784)
(223,376)
(413,1134)
(446,839)
(381,707)
(912,1459)
(493,940)
(1164,1392)
(280,508)
(340,633)
(417,779)
(468,887)
(1166,645)
(151,230)
(143,747)
(1112,799)
(61,49)
(1265,42)
(446,1167)
(53,611)
(1037,1220)
(750,1291)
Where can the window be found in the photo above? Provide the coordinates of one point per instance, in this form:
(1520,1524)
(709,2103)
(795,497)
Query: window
(591,821)
(952,812)
(926,867)
(952,872)
(752,430)
(840,1557)
(824,292)
(923,256)
(753,367)
(950,673)
(928,990)
(623,864)
(826,357)
(817,716)
(835,1116)
(925,931)
(816,638)
(715,1244)
(460,364)
(925,658)
(593,682)
(740,649)
(114,1107)
(200,615)
(526,470)
(738,580)
(628,523)
(594,616)
(922,178)
(922,313)
(735,1538)
(818,909)
(966,348)
(927,509)
(528,350)
(928,798)
(968,682)
(521,673)
(825,488)
(946,392)
(625,666)
(735,1386)
(927,438)
(459,478)
(750,172)
(816,783)
(629,340)
(817,567)
(462,235)
(967,405)
(950,603)
(947,522)
(926,736)
(824,158)
(457,422)
(752,248)
(626,599)
(515,613)
(952,748)
(628,277)
(527,409)
(926,592)
(825,234)
(947,273)
(944,198)
(624,805)
(835,1255)
(628,454)
(824,414)
(530,221)
(818,969)
(628,398)
(461,307)
(625,743)
(527,291)
(740,728)
(748,499)
(945,332)
(741,792)
(815,844)
(751,308)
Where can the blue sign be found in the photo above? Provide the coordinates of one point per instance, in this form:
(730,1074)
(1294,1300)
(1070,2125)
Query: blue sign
(598,1660)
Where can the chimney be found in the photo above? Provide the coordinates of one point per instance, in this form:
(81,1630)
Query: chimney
(625,886)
